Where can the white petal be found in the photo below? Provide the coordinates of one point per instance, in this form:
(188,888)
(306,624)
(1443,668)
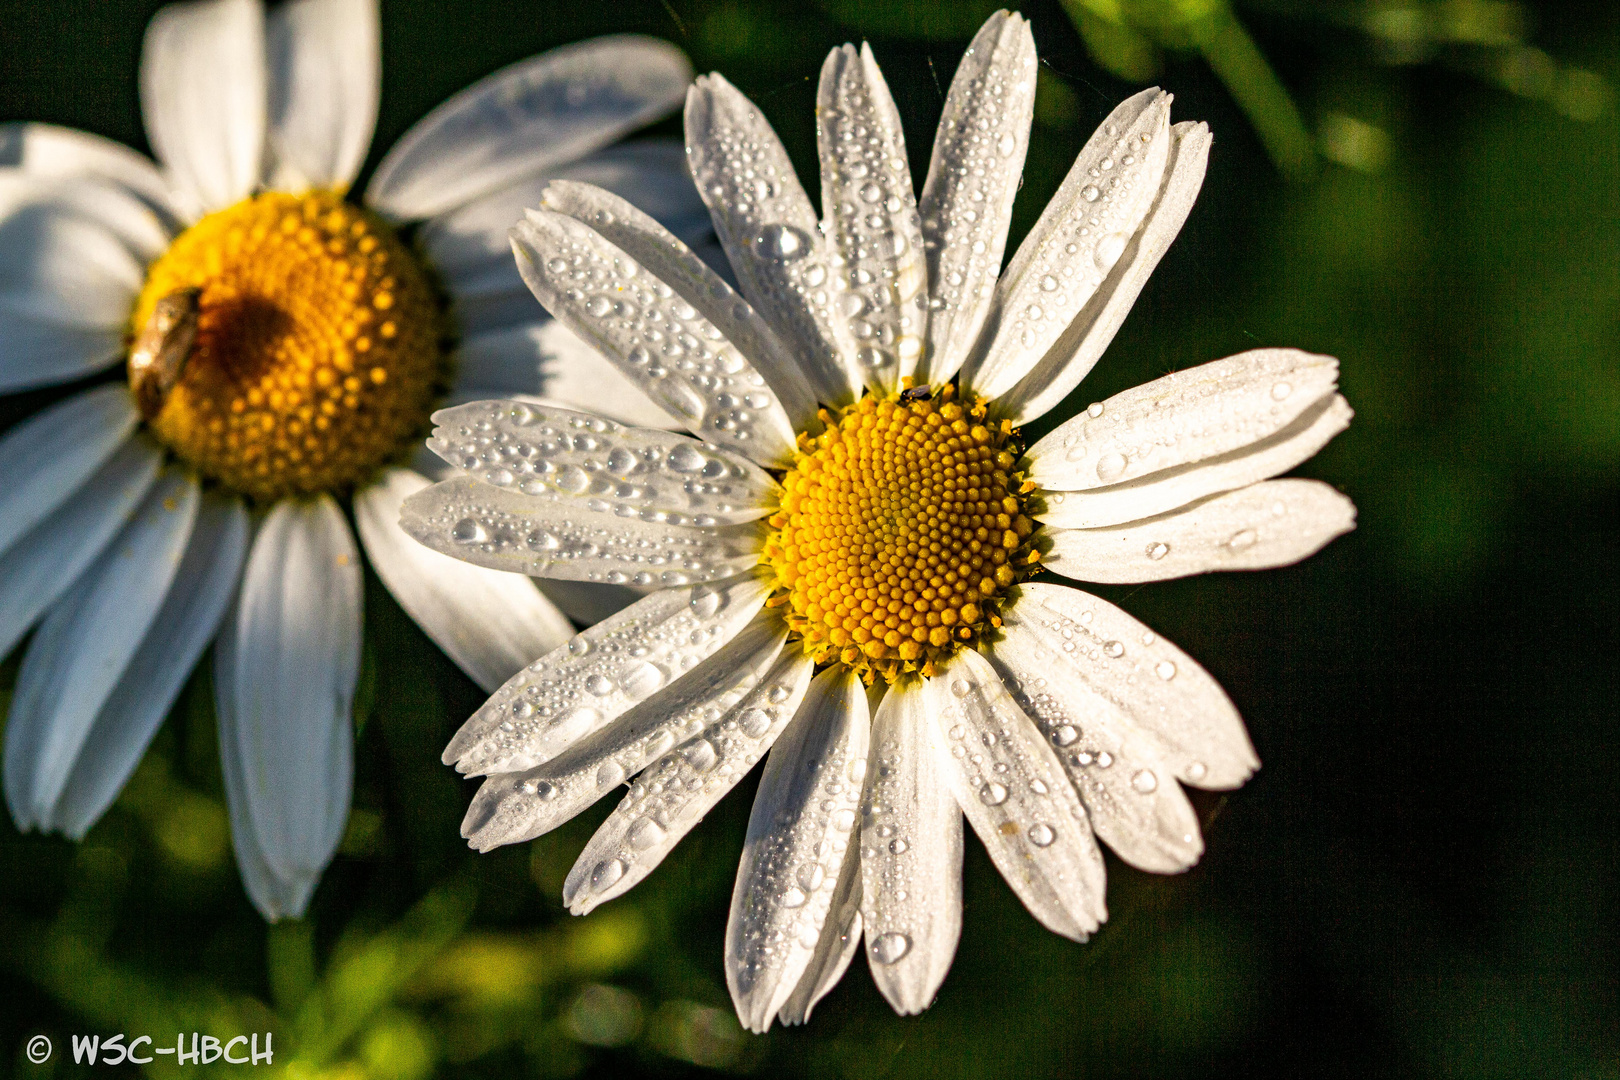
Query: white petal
(677,790)
(469,244)
(58,153)
(549,361)
(768,228)
(48,456)
(1081,235)
(967,201)
(1015,793)
(839,942)
(870,212)
(548,109)
(694,284)
(1077,350)
(1167,489)
(44,561)
(587,602)
(578,459)
(679,358)
(203,587)
(517,806)
(284,670)
(1184,417)
(798,842)
(507,530)
(88,199)
(85,643)
(1273,523)
(325,75)
(1097,660)
(601,674)
(35,353)
(62,262)
(203,98)
(1121,772)
(911,855)
(490,623)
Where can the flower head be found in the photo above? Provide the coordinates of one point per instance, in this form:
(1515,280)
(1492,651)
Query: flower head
(284,346)
(842,560)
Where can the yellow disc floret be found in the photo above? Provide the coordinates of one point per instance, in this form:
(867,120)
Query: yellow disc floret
(902,526)
(317,354)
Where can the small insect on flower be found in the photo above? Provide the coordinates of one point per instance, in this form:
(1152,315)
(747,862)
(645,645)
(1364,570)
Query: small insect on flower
(915,393)
(162,348)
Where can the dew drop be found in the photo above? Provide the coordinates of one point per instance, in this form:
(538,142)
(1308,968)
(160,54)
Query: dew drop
(1090,193)
(1114,649)
(993,794)
(898,846)
(890,947)
(810,876)
(794,897)
(1109,249)
(701,755)
(1094,410)
(1196,771)
(1007,144)
(641,679)
(645,833)
(611,774)
(1109,466)
(1244,538)
(782,243)
(1281,390)
(754,723)
(1041,834)
(599,685)
(1065,734)
(606,873)
(1157,550)
(1165,669)
(1145,782)
(468,531)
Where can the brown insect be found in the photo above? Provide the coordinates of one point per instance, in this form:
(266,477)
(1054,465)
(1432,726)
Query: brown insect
(162,348)
(915,393)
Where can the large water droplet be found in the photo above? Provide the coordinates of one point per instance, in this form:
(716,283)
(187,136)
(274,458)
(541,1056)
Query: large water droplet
(1145,781)
(1165,669)
(1041,834)
(754,723)
(1065,734)
(606,873)
(794,897)
(1110,466)
(468,531)
(993,794)
(1244,538)
(642,679)
(890,947)
(1090,192)
(783,243)
(811,875)
(1157,550)
(701,755)
(645,833)
(1114,649)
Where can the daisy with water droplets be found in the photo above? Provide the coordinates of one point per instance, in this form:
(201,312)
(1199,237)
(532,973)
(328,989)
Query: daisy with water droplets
(284,348)
(843,563)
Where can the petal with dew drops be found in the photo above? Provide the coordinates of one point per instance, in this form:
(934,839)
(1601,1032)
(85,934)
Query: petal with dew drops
(1265,525)
(203,588)
(491,624)
(1081,234)
(1140,681)
(1183,417)
(508,530)
(870,212)
(1165,490)
(1121,771)
(694,283)
(1010,784)
(1069,360)
(517,806)
(677,790)
(798,842)
(325,78)
(840,940)
(600,674)
(666,347)
(86,642)
(632,473)
(911,855)
(768,229)
(967,200)
(51,454)
(535,114)
(203,97)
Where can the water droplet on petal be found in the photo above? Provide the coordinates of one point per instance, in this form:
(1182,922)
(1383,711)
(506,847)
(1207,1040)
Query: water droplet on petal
(993,794)
(1065,734)
(1110,466)
(468,531)
(645,833)
(1157,550)
(1109,249)
(1114,649)
(1145,781)
(1165,669)
(606,873)
(1243,538)
(890,947)
(1041,834)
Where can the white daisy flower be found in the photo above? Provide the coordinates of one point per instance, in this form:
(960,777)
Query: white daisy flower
(284,348)
(886,538)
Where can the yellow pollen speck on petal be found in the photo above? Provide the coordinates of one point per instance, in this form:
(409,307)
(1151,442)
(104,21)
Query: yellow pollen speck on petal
(890,549)
(295,384)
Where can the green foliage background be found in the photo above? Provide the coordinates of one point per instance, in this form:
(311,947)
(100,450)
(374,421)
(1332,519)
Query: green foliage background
(1421,881)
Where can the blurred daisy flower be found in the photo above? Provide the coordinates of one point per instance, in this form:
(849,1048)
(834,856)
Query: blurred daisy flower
(843,562)
(284,347)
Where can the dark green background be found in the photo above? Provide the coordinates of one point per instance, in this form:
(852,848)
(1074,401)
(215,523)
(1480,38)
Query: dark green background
(1422,879)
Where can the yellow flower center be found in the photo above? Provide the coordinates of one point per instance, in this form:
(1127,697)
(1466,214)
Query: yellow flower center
(902,526)
(318,345)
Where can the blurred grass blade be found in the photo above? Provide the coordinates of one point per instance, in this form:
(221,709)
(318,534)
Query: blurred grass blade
(1238,62)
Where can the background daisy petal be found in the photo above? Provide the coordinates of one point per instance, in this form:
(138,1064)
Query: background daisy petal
(203,98)
(44,561)
(49,152)
(517,806)
(976,169)
(203,588)
(50,455)
(284,672)
(1028,814)
(869,209)
(799,837)
(85,643)
(324,60)
(681,787)
(577,458)
(911,855)
(1066,258)
(1265,525)
(547,109)
(768,229)
(584,685)
(490,623)
(1069,360)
